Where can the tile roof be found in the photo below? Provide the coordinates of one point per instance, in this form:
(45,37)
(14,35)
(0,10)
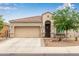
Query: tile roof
(28,19)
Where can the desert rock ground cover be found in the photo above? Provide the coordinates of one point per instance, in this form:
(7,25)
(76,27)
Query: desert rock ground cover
(64,43)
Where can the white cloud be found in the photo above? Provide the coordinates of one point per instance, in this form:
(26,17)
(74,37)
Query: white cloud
(73,6)
(7,6)
(65,5)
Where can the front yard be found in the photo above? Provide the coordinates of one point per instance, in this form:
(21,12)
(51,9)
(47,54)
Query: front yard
(26,46)
(64,43)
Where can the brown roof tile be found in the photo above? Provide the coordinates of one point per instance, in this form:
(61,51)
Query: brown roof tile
(28,19)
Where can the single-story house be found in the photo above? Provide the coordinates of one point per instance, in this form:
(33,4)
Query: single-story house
(33,27)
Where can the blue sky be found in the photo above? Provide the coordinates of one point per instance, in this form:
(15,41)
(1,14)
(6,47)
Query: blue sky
(12,11)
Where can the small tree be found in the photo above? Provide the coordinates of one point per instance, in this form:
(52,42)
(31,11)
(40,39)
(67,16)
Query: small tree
(66,19)
(1,22)
(75,15)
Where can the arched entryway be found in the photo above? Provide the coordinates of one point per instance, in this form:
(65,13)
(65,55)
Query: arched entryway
(47,29)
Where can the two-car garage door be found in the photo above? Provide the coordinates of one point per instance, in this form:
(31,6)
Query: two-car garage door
(30,31)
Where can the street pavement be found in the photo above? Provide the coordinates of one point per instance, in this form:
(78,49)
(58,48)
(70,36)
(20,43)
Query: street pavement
(32,46)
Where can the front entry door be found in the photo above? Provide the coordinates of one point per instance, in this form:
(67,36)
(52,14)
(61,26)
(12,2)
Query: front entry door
(47,29)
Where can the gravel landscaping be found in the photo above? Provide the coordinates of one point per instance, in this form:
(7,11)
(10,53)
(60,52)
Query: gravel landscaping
(63,43)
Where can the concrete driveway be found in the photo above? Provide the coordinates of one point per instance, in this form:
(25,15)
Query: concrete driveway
(32,45)
(14,44)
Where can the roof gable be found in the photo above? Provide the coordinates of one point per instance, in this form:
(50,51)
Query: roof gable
(36,19)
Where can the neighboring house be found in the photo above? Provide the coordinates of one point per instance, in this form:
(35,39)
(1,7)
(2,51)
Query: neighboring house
(5,31)
(36,27)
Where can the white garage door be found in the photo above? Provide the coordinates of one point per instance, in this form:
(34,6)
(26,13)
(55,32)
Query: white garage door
(27,31)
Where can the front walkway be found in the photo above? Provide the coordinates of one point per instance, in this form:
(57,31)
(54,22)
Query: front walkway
(32,45)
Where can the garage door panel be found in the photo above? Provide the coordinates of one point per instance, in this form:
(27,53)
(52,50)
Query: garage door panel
(27,31)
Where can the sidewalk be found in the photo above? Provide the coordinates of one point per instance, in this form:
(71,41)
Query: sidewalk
(16,45)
